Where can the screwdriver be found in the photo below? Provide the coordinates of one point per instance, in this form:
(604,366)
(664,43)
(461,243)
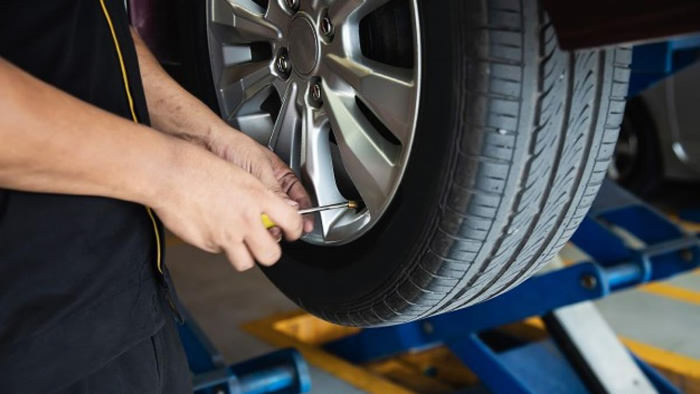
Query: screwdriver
(268,223)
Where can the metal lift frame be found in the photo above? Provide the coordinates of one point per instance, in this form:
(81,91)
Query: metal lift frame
(282,372)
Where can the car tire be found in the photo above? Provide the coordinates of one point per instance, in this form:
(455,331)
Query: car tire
(637,162)
(512,142)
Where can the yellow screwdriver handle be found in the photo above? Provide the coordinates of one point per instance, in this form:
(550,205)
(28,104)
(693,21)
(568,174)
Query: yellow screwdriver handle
(267,222)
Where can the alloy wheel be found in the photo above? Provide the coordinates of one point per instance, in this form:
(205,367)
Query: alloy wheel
(332,86)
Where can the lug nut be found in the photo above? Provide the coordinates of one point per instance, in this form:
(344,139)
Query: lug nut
(292,4)
(327,27)
(282,64)
(316,92)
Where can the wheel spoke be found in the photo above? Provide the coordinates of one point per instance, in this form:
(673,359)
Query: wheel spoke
(257,125)
(341,10)
(317,167)
(280,86)
(232,55)
(286,139)
(368,160)
(247,20)
(387,91)
(241,83)
(276,15)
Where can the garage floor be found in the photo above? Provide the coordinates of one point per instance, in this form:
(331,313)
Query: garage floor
(221,300)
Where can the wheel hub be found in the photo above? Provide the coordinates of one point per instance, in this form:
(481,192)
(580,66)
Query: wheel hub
(303,45)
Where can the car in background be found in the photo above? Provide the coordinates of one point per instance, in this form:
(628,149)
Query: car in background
(660,134)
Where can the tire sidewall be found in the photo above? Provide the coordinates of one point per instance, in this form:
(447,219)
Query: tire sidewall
(341,278)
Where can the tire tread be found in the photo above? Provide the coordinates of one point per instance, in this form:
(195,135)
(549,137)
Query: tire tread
(541,164)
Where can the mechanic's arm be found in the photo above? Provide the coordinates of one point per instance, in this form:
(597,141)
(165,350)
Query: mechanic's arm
(54,143)
(172,109)
(175,111)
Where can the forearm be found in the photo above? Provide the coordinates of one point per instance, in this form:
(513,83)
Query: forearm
(55,143)
(172,109)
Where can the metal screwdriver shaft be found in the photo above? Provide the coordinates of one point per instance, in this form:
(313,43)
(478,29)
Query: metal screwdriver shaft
(268,223)
(341,205)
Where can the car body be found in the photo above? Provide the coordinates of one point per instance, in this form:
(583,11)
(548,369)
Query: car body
(673,104)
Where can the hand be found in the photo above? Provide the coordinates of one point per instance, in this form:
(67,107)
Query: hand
(236,147)
(291,186)
(177,113)
(216,206)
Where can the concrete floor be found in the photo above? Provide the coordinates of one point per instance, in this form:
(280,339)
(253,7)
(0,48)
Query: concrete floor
(221,300)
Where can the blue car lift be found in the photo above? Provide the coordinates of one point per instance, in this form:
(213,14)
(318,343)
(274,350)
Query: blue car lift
(281,372)
(583,354)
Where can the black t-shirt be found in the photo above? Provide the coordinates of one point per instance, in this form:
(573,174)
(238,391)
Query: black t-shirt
(78,283)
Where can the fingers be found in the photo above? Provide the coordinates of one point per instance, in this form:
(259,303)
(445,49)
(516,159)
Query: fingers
(296,191)
(291,185)
(281,180)
(308,224)
(259,246)
(268,179)
(290,189)
(293,188)
(266,174)
(286,216)
(262,246)
(239,256)
(275,233)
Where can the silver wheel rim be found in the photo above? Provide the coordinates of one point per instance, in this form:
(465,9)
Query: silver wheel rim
(330,99)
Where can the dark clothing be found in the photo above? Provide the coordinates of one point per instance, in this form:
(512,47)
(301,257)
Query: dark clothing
(78,278)
(154,365)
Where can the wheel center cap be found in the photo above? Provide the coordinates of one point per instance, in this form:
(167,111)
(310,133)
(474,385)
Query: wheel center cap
(303,45)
